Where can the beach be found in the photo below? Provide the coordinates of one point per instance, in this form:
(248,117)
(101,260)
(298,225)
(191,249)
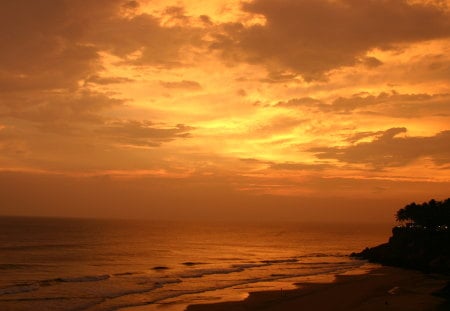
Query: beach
(383,288)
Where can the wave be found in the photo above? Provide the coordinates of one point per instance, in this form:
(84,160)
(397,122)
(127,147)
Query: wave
(248,265)
(275,261)
(19,266)
(125,273)
(88,278)
(325,263)
(155,285)
(204,272)
(319,255)
(279,275)
(160,284)
(17,289)
(272,277)
(237,268)
(159,268)
(192,263)
(154,282)
(33,286)
(38,247)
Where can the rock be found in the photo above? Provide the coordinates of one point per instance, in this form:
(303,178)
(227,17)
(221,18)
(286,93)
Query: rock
(424,250)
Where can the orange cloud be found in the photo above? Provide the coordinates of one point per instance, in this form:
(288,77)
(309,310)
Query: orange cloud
(392,104)
(387,150)
(143,133)
(314,37)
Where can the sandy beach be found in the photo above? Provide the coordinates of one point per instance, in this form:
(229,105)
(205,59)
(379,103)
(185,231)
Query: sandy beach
(383,288)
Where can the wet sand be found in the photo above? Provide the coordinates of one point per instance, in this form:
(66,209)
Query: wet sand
(383,288)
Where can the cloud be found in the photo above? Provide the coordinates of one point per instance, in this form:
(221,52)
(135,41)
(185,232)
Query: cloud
(279,77)
(143,34)
(131,5)
(54,44)
(51,46)
(395,104)
(391,104)
(302,102)
(313,37)
(362,135)
(184,84)
(371,62)
(276,125)
(96,79)
(288,166)
(143,133)
(57,108)
(43,42)
(11,145)
(389,150)
(295,166)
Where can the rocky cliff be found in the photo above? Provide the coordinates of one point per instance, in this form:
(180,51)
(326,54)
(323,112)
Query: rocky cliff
(413,247)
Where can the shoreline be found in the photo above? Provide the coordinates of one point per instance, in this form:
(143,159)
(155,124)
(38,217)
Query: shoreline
(383,288)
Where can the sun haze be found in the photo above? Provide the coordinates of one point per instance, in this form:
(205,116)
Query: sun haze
(260,109)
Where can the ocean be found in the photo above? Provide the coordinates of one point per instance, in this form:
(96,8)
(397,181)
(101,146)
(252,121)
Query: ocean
(137,265)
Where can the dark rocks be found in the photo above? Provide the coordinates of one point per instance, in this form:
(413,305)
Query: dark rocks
(414,248)
(443,292)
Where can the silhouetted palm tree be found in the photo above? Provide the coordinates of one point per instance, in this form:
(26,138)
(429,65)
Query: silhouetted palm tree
(432,215)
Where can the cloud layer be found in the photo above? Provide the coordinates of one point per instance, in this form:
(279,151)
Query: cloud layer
(313,37)
(387,149)
(159,102)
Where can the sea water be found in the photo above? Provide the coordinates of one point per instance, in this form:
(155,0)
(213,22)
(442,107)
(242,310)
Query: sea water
(83,264)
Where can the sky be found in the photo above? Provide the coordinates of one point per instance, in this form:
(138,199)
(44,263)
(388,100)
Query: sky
(314,110)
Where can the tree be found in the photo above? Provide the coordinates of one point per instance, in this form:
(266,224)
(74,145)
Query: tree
(432,215)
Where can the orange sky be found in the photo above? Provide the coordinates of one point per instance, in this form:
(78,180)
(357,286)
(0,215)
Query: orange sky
(260,109)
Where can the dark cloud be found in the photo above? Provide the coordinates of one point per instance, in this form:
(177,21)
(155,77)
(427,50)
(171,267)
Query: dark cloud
(205,19)
(143,133)
(361,135)
(279,77)
(395,104)
(11,145)
(388,150)
(277,125)
(49,48)
(184,84)
(96,79)
(390,104)
(294,166)
(43,42)
(312,37)
(54,44)
(131,5)
(254,161)
(241,92)
(176,13)
(52,108)
(156,45)
(303,102)
(289,166)
(371,62)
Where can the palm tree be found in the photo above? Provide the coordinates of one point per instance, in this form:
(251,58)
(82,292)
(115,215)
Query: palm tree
(432,215)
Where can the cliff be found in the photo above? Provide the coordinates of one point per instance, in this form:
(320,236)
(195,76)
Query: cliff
(415,248)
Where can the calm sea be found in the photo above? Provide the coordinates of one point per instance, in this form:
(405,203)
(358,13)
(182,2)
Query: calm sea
(79,264)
